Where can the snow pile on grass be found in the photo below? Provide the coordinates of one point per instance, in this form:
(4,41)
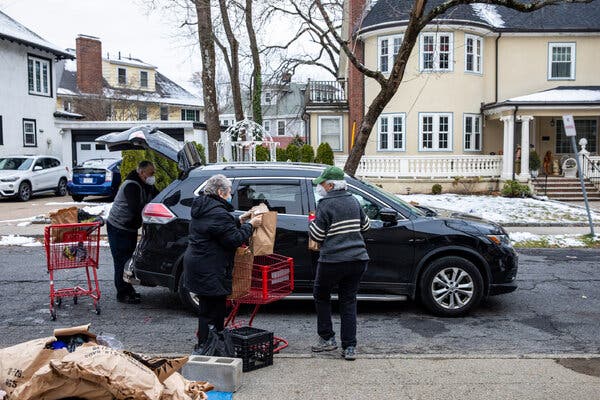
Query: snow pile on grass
(504,210)
(572,240)
(16,240)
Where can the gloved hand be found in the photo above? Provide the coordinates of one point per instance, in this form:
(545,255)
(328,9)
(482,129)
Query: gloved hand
(245,216)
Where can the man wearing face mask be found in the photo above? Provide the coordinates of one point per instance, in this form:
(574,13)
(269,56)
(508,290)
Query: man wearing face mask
(343,259)
(125,219)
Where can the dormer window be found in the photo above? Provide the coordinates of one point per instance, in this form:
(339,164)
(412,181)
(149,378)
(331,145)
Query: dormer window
(268,97)
(144,79)
(122,73)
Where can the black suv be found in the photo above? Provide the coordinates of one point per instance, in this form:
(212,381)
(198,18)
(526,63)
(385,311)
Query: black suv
(450,264)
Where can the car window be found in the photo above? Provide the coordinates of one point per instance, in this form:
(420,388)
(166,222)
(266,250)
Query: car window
(281,197)
(50,162)
(370,208)
(20,164)
(39,163)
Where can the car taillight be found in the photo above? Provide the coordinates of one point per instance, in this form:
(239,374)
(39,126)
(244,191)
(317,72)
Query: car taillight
(108,176)
(311,216)
(156,213)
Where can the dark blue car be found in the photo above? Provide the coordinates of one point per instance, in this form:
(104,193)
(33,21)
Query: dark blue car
(95,177)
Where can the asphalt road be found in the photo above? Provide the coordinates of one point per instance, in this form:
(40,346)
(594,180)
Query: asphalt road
(556,310)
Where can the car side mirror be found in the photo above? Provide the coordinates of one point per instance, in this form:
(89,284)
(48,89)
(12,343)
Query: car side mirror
(37,168)
(388,215)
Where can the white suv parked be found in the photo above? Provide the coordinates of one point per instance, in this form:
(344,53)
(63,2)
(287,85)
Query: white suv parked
(21,176)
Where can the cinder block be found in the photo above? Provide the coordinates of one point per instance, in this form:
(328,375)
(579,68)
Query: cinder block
(222,372)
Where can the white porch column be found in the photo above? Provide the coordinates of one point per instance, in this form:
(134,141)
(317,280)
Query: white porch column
(524,174)
(508,147)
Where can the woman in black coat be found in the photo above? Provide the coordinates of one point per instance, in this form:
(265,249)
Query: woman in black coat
(215,234)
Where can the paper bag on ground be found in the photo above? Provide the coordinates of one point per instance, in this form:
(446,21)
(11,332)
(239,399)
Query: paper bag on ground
(179,388)
(163,367)
(19,363)
(121,375)
(242,273)
(47,384)
(75,330)
(263,238)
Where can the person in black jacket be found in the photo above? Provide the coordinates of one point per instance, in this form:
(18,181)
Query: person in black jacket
(343,258)
(215,234)
(124,220)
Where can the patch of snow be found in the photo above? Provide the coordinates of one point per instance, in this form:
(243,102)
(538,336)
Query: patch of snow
(16,30)
(489,13)
(65,91)
(16,240)
(29,219)
(504,210)
(71,65)
(69,203)
(555,95)
(27,223)
(102,210)
(568,240)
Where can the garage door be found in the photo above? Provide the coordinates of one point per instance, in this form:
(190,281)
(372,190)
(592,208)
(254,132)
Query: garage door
(88,150)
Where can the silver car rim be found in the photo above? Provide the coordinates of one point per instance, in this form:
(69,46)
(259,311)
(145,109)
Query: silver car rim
(452,288)
(62,187)
(25,192)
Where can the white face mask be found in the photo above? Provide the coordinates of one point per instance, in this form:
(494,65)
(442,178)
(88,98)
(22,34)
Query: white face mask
(151,180)
(321,191)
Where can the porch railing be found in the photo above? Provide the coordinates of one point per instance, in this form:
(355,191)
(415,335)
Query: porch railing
(326,92)
(426,167)
(590,166)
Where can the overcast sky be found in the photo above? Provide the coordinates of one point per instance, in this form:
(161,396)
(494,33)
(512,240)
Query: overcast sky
(122,25)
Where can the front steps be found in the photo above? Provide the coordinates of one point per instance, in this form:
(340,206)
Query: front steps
(564,189)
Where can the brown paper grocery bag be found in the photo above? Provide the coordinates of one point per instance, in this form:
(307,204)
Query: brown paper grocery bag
(242,273)
(19,363)
(263,238)
(62,216)
(163,367)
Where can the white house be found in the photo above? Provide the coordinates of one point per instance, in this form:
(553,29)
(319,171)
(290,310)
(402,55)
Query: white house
(28,80)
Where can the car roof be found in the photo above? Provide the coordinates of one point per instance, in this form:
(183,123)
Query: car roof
(275,169)
(101,162)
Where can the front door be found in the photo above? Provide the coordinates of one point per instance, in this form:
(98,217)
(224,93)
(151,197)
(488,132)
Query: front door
(287,197)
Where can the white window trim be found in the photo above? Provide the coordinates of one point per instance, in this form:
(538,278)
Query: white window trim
(284,127)
(573,47)
(436,125)
(32,122)
(341,130)
(147,79)
(475,40)
(390,140)
(139,109)
(39,90)
(267,123)
(390,55)
(478,116)
(124,69)
(436,42)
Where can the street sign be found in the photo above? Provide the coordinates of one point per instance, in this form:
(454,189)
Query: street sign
(569,125)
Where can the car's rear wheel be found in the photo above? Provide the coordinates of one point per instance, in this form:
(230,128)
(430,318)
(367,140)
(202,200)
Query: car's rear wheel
(61,189)
(189,299)
(451,286)
(77,197)
(24,191)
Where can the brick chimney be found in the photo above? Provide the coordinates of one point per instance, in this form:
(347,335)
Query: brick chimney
(89,64)
(356,80)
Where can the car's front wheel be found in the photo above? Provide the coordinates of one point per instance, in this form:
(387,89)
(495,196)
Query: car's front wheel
(451,286)
(189,299)
(61,189)
(24,191)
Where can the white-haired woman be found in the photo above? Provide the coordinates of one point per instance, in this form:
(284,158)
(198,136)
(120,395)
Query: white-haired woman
(215,234)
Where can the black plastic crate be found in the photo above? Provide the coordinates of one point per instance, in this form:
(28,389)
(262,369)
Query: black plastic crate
(254,346)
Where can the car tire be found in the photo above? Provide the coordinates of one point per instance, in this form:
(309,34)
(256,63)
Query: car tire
(188,298)
(451,286)
(77,197)
(24,193)
(61,189)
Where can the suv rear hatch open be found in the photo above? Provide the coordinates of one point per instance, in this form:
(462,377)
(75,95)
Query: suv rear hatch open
(149,137)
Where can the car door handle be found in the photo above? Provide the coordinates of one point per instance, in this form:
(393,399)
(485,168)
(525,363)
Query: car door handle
(369,240)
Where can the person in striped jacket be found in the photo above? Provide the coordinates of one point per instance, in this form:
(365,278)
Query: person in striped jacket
(338,227)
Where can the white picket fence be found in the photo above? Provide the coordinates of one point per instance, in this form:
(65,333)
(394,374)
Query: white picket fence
(426,167)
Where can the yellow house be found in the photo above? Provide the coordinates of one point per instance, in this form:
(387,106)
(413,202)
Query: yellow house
(482,82)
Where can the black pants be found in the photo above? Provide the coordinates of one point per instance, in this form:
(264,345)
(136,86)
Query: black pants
(212,312)
(122,245)
(347,277)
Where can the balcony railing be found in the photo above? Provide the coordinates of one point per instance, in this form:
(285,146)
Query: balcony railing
(426,167)
(326,92)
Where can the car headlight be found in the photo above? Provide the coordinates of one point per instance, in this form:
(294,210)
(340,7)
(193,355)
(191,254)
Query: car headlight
(499,239)
(10,179)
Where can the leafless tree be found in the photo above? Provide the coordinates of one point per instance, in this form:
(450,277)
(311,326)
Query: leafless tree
(256,64)
(417,21)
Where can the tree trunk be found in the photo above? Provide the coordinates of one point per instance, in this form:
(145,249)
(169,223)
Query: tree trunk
(234,71)
(207,49)
(257,72)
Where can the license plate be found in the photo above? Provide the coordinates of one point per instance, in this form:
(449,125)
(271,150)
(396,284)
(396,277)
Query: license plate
(88,180)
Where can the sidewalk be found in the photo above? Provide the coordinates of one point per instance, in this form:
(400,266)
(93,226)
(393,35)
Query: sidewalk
(406,377)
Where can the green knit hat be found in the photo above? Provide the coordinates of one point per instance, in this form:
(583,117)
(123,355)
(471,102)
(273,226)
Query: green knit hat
(330,174)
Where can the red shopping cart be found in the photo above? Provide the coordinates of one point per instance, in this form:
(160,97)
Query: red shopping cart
(70,246)
(272,279)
